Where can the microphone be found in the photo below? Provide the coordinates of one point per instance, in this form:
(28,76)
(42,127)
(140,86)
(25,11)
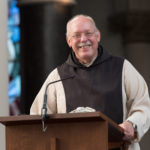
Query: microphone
(44,108)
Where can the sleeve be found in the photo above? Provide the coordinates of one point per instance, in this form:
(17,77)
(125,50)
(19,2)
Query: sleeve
(137,99)
(51,103)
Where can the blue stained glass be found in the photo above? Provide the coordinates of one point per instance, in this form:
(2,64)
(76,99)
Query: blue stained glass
(13,14)
(14,90)
(16,34)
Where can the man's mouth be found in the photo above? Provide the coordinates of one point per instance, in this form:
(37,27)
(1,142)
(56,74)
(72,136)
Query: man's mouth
(84,45)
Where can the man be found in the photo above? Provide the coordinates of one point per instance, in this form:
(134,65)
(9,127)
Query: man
(101,81)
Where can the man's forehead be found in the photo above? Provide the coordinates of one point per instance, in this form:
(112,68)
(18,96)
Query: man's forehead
(81,20)
(81,23)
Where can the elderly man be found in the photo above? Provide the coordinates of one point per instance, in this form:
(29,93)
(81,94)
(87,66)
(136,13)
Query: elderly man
(101,81)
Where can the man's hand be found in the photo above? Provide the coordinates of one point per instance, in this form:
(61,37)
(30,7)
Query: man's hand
(128,130)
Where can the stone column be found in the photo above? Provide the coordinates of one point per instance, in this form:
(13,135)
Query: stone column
(4,109)
(43,43)
(132,20)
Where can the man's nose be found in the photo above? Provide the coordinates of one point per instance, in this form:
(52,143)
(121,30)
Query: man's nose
(83,37)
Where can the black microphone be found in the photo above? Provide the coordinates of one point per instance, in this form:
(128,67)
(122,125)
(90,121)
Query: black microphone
(44,108)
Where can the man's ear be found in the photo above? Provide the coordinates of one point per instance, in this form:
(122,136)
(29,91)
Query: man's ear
(68,41)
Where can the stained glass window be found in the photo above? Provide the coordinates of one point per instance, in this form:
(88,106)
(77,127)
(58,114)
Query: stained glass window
(14,57)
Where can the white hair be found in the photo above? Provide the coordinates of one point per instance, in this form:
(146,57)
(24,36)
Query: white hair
(77,16)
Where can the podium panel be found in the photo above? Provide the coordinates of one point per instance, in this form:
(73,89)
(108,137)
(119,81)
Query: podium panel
(70,136)
(80,131)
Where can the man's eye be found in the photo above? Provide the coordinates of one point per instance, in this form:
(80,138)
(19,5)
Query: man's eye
(88,34)
(77,35)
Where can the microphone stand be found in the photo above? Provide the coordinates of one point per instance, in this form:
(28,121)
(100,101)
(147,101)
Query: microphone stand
(44,114)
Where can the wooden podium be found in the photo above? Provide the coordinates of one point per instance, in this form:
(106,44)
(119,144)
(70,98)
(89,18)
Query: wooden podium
(76,131)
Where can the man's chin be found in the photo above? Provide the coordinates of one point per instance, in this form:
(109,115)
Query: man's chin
(86,57)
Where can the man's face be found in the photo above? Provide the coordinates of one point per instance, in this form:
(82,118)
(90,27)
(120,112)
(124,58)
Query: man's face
(83,38)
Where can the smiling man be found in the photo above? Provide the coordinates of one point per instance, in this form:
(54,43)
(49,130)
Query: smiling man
(103,82)
(83,37)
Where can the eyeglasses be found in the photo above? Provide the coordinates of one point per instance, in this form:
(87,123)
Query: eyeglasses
(87,34)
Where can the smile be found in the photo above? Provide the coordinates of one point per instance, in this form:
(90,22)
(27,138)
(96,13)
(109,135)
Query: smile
(84,45)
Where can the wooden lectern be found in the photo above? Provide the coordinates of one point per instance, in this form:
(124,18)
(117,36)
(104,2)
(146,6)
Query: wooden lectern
(74,131)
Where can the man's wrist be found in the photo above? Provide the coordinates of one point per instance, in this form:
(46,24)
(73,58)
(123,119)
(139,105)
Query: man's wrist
(135,129)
